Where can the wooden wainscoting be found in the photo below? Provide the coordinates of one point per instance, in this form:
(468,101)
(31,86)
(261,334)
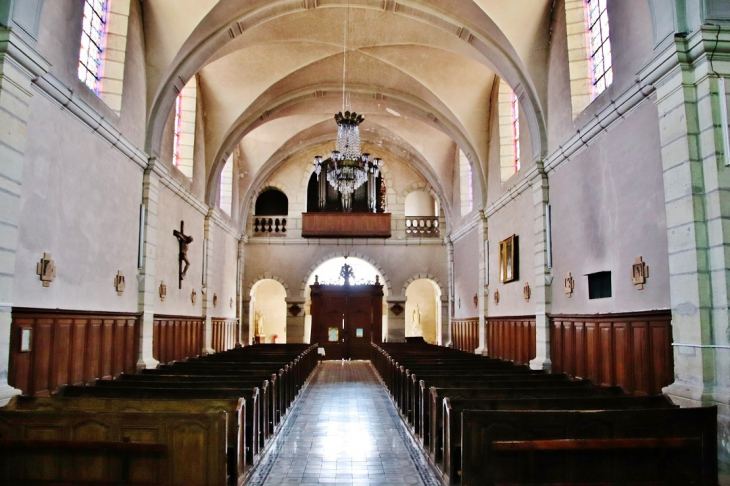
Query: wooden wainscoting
(70,347)
(632,350)
(225,333)
(465,334)
(511,338)
(177,337)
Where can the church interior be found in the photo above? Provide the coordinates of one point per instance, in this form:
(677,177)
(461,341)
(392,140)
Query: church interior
(543,183)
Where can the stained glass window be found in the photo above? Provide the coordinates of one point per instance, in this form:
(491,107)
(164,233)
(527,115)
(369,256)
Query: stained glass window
(516,130)
(178,130)
(600,45)
(92,39)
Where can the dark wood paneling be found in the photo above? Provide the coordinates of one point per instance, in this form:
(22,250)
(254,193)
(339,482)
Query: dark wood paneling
(70,347)
(511,338)
(176,338)
(465,334)
(632,350)
(338,225)
(224,334)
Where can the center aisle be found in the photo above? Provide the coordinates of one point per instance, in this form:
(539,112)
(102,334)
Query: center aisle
(344,430)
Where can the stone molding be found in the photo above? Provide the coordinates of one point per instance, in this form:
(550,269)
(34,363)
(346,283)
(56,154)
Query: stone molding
(471,223)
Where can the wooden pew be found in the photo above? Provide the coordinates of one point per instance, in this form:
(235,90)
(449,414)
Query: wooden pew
(665,446)
(179,448)
(250,422)
(451,431)
(432,412)
(234,408)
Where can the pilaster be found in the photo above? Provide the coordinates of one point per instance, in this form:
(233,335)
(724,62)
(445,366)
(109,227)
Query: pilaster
(396,320)
(20,64)
(239,297)
(450,261)
(208,236)
(697,201)
(542,287)
(295,320)
(482,306)
(148,292)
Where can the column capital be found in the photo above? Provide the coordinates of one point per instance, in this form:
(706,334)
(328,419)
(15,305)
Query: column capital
(22,54)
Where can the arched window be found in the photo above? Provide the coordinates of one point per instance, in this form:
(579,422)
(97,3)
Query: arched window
(183,144)
(103,49)
(509,132)
(226,187)
(272,202)
(465,184)
(589,51)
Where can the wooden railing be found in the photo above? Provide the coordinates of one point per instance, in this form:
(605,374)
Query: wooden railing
(225,334)
(422,226)
(269,226)
(511,338)
(465,334)
(50,348)
(633,351)
(177,337)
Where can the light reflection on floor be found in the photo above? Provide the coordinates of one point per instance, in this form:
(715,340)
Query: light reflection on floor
(344,431)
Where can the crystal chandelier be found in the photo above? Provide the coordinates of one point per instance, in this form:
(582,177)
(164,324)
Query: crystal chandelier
(347,169)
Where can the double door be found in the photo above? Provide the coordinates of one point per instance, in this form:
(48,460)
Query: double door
(346,319)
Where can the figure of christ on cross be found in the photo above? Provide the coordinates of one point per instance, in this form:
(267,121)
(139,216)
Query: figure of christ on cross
(184,240)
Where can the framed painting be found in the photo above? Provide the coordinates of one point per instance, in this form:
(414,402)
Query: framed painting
(508,260)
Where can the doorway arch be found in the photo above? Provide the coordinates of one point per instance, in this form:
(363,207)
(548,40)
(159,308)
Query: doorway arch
(267,311)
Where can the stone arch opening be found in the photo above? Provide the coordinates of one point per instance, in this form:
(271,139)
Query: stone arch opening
(423,310)
(267,312)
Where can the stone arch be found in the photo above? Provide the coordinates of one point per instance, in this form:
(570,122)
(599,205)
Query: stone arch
(267,276)
(416,108)
(426,276)
(330,256)
(466,21)
(291,148)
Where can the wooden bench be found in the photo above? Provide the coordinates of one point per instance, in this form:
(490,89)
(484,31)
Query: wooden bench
(250,422)
(432,411)
(179,448)
(665,446)
(451,433)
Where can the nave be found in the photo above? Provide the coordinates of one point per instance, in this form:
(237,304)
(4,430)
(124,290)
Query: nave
(343,430)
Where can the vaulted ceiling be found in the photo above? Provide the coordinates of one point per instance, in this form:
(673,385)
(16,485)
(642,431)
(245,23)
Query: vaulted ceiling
(421,71)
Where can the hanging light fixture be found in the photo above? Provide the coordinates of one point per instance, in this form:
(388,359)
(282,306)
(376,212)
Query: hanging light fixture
(347,168)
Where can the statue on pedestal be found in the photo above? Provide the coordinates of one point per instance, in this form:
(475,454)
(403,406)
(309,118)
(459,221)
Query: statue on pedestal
(416,327)
(259,328)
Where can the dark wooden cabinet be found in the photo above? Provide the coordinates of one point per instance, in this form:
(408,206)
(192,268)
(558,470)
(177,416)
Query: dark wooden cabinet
(346,319)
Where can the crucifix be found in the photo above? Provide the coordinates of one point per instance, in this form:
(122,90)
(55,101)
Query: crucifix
(184,240)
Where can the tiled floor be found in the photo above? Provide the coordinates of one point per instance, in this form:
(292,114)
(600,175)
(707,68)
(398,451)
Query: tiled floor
(344,430)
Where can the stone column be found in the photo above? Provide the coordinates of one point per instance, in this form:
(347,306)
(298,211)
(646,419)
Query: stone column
(19,65)
(295,320)
(444,309)
(148,289)
(542,287)
(697,201)
(396,320)
(208,307)
(246,332)
(482,306)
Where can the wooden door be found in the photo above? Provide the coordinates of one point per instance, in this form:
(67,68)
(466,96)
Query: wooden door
(346,319)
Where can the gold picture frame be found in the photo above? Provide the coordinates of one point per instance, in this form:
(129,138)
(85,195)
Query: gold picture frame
(508,260)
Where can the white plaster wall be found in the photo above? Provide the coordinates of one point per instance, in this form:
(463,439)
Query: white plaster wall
(608,208)
(172,210)
(420,203)
(515,219)
(632,46)
(80,202)
(58,41)
(466,275)
(223,265)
